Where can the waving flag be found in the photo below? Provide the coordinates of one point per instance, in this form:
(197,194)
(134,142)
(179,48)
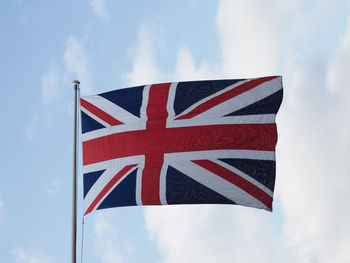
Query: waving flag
(199,142)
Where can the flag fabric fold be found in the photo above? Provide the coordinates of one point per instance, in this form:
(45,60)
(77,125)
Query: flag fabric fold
(197,142)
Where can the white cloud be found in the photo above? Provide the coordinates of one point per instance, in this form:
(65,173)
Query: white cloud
(50,86)
(256,34)
(144,69)
(54,187)
(213,234)
(108,246)
(31,129)
(313,172)
(77,64)
(248,38)
(314,155)
(338,77)
(51,93)
(186,69)
(99,8)
(22,256)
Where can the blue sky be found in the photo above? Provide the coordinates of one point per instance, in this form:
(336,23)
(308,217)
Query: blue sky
(113,44)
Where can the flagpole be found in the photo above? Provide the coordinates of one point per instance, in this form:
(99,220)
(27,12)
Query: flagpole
(74,177)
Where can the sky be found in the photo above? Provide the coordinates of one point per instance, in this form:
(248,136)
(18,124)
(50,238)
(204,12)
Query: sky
(108,45)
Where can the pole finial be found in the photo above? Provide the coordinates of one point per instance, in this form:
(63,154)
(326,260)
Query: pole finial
(75,82)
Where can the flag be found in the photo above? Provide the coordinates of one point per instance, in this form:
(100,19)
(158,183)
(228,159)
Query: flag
(198,142)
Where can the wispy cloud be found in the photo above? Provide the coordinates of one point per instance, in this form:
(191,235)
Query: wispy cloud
(144,68)
(314,151)
(73,64)
(187,70)
(338,77)
(77,64)
(213,234)
(248,38)
(22,256)
(54,187)
(313,176)
(99,8)
(31,129)
(50,91)
(108,245)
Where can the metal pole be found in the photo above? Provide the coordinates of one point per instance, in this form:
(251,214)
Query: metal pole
(74,182)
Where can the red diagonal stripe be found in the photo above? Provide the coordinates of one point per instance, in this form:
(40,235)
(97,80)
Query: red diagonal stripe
(235,179)
(224,97)
(108,186)
(182,139)
(99,113)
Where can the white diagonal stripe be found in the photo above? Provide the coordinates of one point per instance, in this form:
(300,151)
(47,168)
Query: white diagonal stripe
(245,176)
(123,161)
(220,154)
(242,100)
(93,116)
(217,184)
(244,119)
(112,109)
(112,167)
(98,186)
(212,96)
(106,180)
(112,130)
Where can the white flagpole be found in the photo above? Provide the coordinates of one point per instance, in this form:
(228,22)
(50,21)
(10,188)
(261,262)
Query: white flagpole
(74,182)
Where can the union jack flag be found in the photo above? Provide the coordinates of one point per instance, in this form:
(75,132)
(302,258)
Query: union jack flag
(181,143)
